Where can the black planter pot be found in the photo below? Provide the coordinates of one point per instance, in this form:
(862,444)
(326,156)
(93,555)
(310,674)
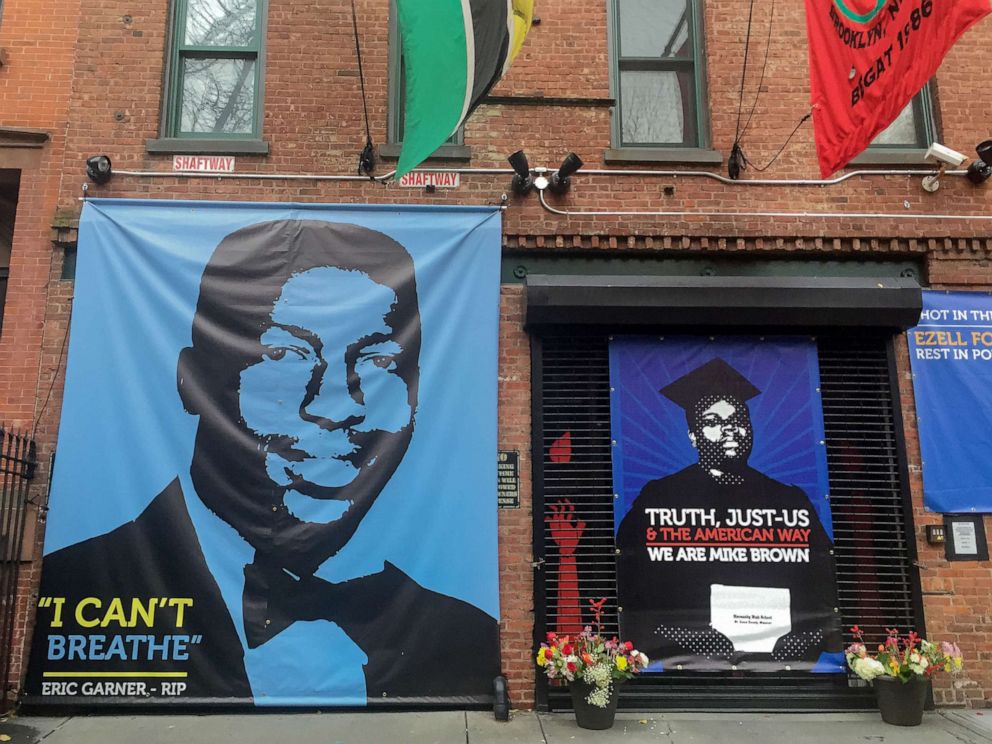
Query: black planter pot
(589,716)
(901,703)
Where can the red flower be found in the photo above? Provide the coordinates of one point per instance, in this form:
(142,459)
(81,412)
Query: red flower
(628,645)
(551,636)
(570,666)
(856,630)
(567,649)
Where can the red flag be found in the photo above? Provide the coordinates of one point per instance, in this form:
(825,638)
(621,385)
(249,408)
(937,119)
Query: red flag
(868,58)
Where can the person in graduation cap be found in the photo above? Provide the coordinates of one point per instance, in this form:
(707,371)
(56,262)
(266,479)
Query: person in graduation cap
(719,604)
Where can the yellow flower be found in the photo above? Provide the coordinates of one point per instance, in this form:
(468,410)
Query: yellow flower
(541,661)
(621,663)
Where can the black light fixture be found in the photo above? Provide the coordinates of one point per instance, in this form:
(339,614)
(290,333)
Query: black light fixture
(99,169)
(981,170)
(522,181)
(562,179)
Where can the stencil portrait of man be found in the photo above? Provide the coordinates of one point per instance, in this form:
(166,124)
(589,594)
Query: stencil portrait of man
(304,376)
(721,565)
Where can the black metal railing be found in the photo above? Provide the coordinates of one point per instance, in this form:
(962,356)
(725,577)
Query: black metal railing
(17,466)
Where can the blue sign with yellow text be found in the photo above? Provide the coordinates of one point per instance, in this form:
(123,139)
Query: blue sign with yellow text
(951,357)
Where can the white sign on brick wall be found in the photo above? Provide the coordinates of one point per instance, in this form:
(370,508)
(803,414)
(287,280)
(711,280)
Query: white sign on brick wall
(202,164)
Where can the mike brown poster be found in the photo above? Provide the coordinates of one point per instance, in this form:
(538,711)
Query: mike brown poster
(722,512)
(248,505)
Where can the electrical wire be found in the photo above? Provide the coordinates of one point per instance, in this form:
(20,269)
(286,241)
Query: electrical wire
(747,47)
(738,161)
(765,167)
(366,161)
(761,77)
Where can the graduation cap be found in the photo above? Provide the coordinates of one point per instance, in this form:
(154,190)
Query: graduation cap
(716,378)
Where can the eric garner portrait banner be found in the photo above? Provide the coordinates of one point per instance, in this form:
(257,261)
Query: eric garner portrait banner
(722,513)
(276,470)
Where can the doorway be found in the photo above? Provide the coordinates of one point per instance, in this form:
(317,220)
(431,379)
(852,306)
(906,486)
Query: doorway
(10,181)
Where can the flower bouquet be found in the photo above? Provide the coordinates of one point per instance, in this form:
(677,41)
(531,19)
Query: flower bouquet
(901,670)
(592,664)
(904,658)
(591,658)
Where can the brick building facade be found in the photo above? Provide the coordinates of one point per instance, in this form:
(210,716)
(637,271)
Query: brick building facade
(37,52)
(102,92)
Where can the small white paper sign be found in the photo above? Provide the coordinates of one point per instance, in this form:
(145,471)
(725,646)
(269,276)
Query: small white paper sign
(752,617)
(965,538)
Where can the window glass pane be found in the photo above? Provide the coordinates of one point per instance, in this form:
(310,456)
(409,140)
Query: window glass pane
(654,28)
(220,23)
(902,131)
(218,96)
(657,108)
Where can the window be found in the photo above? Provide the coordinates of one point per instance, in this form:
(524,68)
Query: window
(913,128)
(453,148)
(657,46)
(214,86)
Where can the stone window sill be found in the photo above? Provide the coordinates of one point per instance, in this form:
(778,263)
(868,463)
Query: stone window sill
(694,155)
(891,156)
(183,146)
(391,151)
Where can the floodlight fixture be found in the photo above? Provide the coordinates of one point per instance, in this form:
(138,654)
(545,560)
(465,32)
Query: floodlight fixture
(99,169)
(984,150)
(981,170)
(562,179)
(522,181)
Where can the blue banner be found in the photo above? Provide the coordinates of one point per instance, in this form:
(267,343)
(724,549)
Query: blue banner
(722,513)
(276,471)
(950,354)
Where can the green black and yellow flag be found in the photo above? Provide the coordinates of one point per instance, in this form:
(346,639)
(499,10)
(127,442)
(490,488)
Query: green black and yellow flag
(454,52)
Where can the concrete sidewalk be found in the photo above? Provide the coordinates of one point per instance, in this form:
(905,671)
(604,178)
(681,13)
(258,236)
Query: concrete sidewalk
(945,727)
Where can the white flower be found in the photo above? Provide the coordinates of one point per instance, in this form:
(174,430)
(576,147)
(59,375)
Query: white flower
(867,668)
(918,663)
(600,696)
(598,674)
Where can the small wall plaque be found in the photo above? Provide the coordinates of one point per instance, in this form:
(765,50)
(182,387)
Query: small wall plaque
(966,539)
(508,480)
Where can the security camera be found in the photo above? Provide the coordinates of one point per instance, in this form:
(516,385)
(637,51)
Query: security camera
(945,155)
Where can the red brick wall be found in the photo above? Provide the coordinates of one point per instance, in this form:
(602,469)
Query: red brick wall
(516,574)
(35,88)
(313,122)
(957,596)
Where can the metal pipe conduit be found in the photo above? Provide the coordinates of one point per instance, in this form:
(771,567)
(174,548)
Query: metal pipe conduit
(794,215)
(540,171)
